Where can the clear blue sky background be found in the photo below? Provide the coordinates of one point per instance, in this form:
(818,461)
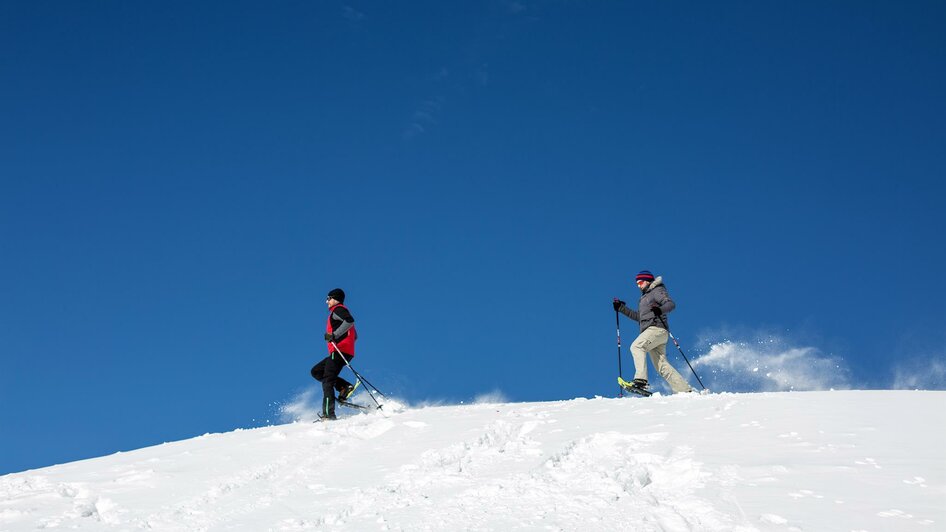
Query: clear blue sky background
(183,183)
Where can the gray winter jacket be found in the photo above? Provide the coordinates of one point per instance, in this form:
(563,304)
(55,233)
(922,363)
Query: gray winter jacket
(655,296)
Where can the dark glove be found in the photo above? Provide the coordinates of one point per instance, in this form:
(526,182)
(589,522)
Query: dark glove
(657,311)
(329,337)
(617,304)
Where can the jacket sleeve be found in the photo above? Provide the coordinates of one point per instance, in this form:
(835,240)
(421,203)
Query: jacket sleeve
(347,321)
(629,312)
(662,298)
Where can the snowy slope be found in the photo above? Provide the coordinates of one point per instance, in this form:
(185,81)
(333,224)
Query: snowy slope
(852,460)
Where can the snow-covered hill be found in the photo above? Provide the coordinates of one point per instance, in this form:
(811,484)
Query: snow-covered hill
(851,460)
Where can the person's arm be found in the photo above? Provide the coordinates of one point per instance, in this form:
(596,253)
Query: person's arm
(347,320)
(663,302)
(627,311)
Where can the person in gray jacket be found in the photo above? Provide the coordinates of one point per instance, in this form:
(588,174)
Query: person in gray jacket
(654,305)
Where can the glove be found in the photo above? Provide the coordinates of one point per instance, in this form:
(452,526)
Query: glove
(617,304)
(329,337)
(657,311)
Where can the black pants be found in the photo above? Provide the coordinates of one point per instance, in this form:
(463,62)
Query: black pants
(327,372)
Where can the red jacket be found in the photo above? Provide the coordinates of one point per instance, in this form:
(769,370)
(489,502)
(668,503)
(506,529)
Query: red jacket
(341,324)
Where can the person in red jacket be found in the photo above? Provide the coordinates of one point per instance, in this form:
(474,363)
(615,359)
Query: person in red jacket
(340,331)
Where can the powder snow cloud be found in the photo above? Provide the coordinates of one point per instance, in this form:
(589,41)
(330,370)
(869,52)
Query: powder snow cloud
(769,363)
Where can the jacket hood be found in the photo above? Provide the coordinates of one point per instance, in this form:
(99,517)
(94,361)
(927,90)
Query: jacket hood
(658,281)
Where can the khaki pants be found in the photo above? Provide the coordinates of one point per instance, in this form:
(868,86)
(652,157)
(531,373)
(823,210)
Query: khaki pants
(654,341)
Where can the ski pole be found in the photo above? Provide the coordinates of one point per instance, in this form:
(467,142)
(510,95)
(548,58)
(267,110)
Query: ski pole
(676,343)
(358,375)
(617,321)
(364,380)
(368,385)
(367,389)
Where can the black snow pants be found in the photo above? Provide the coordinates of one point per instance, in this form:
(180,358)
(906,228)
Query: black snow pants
(327,372)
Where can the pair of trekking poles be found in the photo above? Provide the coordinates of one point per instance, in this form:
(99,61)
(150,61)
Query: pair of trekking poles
(617,321)
(360,378)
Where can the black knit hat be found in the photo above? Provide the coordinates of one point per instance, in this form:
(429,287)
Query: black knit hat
(337,294)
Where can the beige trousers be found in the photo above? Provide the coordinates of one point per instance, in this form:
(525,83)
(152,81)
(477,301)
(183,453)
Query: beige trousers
(654,341)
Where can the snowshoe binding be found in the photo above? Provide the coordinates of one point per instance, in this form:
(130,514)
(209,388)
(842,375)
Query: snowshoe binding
(348,391)
(323,418)
(637,387)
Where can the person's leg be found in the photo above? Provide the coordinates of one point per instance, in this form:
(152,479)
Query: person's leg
(331,382)
(639,348)
(658,355)
(340,383)
(318,370)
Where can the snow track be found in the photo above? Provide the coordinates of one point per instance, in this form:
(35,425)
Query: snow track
(800,461)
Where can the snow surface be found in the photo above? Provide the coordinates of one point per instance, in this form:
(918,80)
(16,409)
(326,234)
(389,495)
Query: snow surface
(842,460)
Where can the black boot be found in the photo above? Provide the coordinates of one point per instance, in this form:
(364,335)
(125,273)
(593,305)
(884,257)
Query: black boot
(639,386)
(345,393)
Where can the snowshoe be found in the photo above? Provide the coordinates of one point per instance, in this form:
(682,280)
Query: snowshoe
(353,405)
(345,394)
(638,387)
(323,418)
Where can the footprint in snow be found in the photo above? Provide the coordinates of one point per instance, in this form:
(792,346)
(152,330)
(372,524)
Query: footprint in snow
(773,519)
(801,494)
(868,461)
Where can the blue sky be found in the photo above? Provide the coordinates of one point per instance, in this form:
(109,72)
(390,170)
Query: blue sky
(181,184)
